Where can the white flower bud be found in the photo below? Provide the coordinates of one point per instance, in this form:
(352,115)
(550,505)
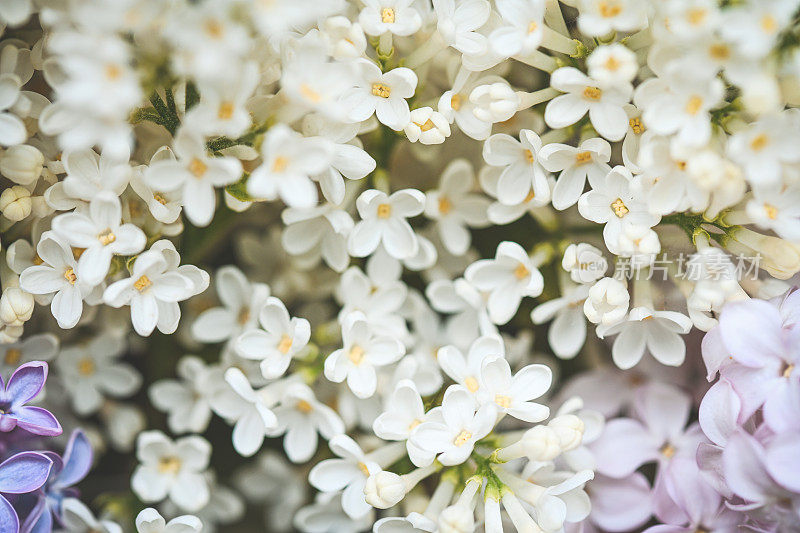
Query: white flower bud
(10,334)
(496,102)
(456,519)
(607,302)
(16,306)
(384,489)
(584,262)
(777,256)
(15,203)
(22,164)
(569,429)
(541,443)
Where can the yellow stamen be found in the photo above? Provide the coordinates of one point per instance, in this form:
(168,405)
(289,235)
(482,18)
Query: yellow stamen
(636,125)
(769,24)
(37,260)
(213,28)
(502,400)
(414,424)
(303,406)
(169,465)
(363,468)
(681,165)
(719,51)
(279,164)
(696,16)
(668,450)
(387,15)
(471,383)
(531,196)
(759,142)
(694,104)
(225,111)
(583,157)
(106,237)
(528,156)
(455,101)
(384,211)
(609,9)
(592,93)
(521,272)
(428,125)
(612,63)
(70,276)
(381,89)
(85,367)
(197,168)
(771,210)
(285,344)
(619,208)
(462,438)
(787,372)
(142,283)
(356,354)
(532,27)
(445,206)
(113,72)
(309,93)
(244,316)
(158,197)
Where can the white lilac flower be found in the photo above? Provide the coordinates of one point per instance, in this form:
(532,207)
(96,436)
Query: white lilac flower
(150,521)
(381,94)
(457,23)
(362,351)
(512,394)
(588,160)
(567,333)
(466,371)
(521,29)
(427,126)
(509,277)
(658,332)
(383,222)
(318,233)
(396,16)
(455,207)
(597,19)
(195,174)
(187,401)
(254,419)
(101,235)
(171,469)
(79,518)
(92,371)
(281,338)
(453,439)
(289,161)
(522,177)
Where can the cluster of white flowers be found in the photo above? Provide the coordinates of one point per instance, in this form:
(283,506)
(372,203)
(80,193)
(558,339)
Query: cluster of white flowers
(390,196)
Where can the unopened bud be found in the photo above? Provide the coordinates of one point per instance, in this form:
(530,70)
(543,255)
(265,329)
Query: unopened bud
(22,164)
(541,443)
(456,519)
(16,306)
(569,429)
(15,203)
(384,489)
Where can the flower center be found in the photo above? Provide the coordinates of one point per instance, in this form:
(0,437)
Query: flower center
(244,316)
(612,63)
(532,27)
(142,283)
(69,275)
(636,125)
(771,211)
(356,354)
(759,142)
(696,16)
(308,92)
(528,156)
(414,424)
(694,104)
(169,465)
(197,168)
(502,400)
(427,125)
(668,450)
(285,344)
(381,89)
(719,51)
(213,28)
(37,260)
(363,468)
(583,157)
(521,272)
(112,72)
(471,383)
(225,111)
(303,406)
(531,196)
(387,15)
(86,367)
(462,438)
(13,355)
(609,9)
(455,101)
(158,197)
(384,211)
(768,24)
(106,237)
(445,206)
(592,93)
(280,164)
(619,208)
(787,372)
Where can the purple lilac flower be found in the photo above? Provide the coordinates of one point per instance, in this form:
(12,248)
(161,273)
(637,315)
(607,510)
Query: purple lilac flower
(20,474)
(23,386)
(66,472)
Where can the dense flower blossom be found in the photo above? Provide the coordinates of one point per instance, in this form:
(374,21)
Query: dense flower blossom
(469,259)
